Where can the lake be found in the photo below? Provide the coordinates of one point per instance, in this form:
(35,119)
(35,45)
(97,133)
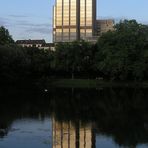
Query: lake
(74,117)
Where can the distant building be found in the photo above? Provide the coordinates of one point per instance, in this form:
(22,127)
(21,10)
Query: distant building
(103,26)
(48,46)
(31,43)
(41,44)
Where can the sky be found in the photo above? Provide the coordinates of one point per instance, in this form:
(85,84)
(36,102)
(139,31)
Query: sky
(32,19)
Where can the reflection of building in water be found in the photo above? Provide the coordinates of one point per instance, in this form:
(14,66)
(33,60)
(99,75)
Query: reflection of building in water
(66,135)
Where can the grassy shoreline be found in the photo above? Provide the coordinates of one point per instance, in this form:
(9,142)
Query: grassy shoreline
(93,83)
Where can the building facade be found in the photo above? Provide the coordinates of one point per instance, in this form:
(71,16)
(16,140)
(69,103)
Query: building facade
(103,26)
(74,20)
(40,44)
(30,43)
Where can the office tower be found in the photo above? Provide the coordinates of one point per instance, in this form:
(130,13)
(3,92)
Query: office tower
(74,20)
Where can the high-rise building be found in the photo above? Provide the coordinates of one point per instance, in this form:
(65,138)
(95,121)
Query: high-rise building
(74,20)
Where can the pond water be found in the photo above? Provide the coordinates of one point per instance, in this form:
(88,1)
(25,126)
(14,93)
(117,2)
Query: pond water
(74,118)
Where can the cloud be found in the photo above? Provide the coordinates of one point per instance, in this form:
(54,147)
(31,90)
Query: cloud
(25,24)
(41,30)
(18,16)
(23,27)
(4,21)
(30,24)
(32,27)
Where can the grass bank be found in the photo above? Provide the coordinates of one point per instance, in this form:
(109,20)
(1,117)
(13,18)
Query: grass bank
(88,83)
(93,83)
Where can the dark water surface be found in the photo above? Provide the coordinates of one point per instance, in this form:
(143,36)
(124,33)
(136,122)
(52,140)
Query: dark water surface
(74,118)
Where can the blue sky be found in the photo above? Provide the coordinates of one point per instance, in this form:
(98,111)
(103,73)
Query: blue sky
(32,19)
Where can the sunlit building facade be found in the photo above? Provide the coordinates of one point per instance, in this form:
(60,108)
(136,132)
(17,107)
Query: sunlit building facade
(74,20)
(102,26)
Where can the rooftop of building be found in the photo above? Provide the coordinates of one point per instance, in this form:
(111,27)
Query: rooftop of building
(105,21)
(31,41)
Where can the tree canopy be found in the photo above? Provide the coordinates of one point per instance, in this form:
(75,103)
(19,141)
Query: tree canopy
(122,53)
(5,37)
(75,57)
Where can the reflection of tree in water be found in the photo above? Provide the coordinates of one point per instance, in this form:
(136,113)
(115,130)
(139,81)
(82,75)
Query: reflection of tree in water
(121,113)
(21,103)
(125,117)
(3,130)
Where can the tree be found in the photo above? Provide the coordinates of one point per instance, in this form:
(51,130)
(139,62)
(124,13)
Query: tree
(121,52)
(75,57)
(40,61)
(5,37)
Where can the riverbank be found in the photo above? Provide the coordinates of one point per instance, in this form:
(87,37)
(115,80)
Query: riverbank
(93,83)
(72,83)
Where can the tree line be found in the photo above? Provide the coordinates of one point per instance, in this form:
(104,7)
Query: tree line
(121,54)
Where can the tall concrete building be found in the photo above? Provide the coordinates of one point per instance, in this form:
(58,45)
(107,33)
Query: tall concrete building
(74,20)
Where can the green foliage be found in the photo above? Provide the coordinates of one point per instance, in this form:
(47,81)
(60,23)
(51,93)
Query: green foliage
(17,63)
(39,61)
(75,56)
(121,53)
(12,62)
(5,37)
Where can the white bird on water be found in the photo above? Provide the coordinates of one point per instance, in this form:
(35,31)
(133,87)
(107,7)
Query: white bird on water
(46,90)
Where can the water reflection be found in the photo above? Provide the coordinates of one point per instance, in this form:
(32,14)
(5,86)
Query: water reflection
(69,135)
(76,118)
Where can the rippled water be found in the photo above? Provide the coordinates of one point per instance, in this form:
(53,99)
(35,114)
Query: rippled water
(74,118)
